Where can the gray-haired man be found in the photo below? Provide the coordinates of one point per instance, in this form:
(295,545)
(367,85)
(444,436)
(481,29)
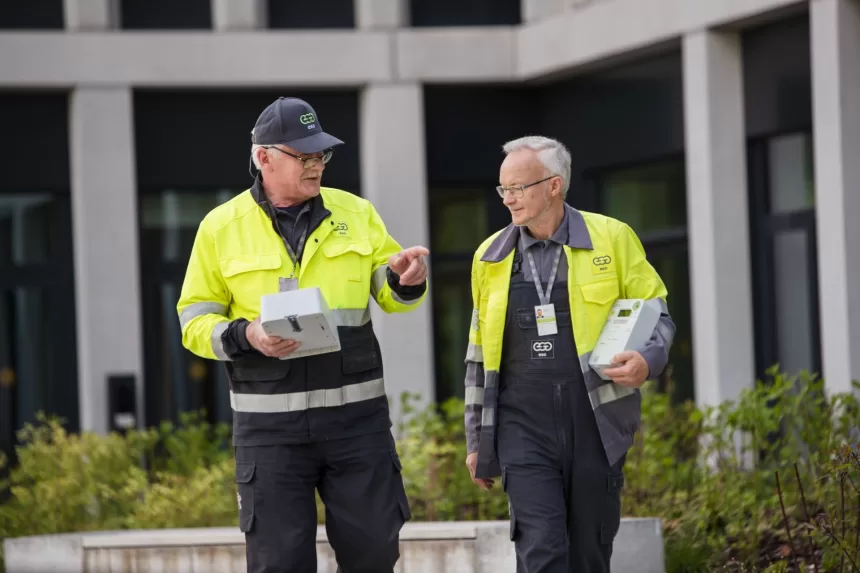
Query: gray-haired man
(536,414)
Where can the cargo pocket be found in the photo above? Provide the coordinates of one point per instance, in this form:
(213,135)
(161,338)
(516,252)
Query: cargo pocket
(402,500)
(259,369)
(245,494)
(612,517)
(358,349)
(513,517)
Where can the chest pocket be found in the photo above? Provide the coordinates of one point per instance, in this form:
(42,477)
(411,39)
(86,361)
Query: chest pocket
(249,276)
(349,260)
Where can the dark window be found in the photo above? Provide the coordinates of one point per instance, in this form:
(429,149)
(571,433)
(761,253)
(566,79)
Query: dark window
(193,152)
(165,14)
(32,15)
(784,257)
(38,350)
(465,12)
(651,198)
(327,14)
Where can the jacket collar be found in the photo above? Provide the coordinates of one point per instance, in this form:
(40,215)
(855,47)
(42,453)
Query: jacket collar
(578,237)
(318,211)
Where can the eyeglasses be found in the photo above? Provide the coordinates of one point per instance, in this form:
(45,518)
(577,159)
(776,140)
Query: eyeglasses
(518,190)
(307,162)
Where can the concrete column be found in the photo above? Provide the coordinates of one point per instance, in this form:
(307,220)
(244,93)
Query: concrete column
(91,15)
(393,178)
(381,14)
(835,37)
(232,15)
(717,220)
(105,226)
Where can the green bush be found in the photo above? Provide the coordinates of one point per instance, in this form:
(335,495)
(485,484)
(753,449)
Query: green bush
(711,475)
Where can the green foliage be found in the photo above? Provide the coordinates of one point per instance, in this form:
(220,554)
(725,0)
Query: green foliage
(712,476)
(433,453)
(718,477)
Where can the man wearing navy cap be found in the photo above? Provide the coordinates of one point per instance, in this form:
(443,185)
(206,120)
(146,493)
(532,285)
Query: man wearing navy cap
(304,422)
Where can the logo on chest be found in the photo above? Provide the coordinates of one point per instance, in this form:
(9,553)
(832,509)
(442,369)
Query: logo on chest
(341,229)
(543,349)
(602,264)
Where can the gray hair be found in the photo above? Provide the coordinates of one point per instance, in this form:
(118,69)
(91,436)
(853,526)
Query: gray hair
(254,149)
(552,153)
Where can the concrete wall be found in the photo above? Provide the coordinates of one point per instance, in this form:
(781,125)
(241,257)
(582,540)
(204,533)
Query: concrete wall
(456,547)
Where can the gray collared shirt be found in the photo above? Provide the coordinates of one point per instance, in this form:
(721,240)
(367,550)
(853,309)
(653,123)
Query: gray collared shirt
(294,224)
(544,252)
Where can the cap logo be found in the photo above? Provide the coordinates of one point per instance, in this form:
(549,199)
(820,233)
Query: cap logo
(307,118)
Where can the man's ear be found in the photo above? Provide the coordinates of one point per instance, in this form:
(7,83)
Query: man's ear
(555,186)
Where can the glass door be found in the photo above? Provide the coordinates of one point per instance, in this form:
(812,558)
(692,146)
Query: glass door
(38,351)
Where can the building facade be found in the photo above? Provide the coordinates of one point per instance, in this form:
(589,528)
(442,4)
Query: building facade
(727,133)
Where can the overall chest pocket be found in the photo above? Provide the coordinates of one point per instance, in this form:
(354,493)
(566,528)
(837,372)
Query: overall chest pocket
(249,276)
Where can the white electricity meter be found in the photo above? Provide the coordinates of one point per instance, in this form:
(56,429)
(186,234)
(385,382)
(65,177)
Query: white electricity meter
(630,324)
(301,315)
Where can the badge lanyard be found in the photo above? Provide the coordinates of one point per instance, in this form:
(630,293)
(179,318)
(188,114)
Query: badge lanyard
(291,282)
(545,312)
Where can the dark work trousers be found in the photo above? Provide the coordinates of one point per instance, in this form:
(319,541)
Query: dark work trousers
(565,499)
(360,483)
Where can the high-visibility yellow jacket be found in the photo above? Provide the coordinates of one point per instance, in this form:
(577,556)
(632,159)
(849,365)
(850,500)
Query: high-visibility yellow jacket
(240,255)
(606,262)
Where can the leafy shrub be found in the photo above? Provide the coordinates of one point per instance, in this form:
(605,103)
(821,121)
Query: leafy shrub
(718,477)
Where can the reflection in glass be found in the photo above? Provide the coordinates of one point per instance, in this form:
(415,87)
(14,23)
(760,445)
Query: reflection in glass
(791,180)
(792,301)
(649,198)
(25,228)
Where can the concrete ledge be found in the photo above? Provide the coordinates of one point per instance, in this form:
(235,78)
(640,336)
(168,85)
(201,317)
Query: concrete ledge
(453,547)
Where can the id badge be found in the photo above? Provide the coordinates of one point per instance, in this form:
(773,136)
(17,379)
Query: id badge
(288,284)
(545,317)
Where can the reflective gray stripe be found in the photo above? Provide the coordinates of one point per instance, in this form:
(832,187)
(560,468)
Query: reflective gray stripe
(475,395)
(660,303)
(298,401)
(583,361)
(217,347)
(475,353)
(487,417)
(607,393)
(378,280)
(199,309)
(351,316)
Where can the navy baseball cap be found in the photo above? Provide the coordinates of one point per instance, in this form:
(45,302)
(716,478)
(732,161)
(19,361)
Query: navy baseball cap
(293,122)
